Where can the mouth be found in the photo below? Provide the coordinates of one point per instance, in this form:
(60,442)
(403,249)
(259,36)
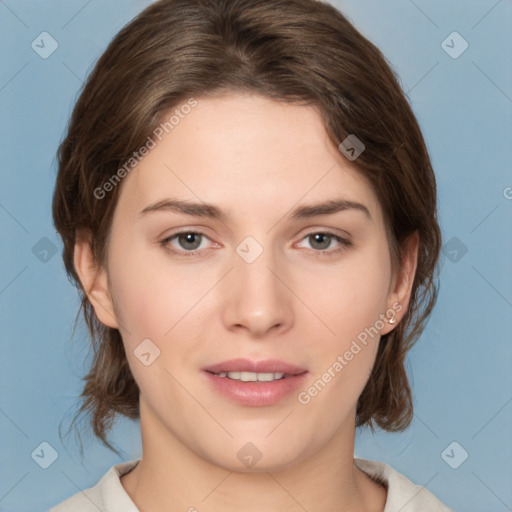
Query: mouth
(255,383)
(252,376)
(235,368)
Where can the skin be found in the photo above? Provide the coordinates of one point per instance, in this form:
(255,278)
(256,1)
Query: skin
(256,159)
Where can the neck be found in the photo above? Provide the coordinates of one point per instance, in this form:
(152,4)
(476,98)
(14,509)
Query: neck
(171,478)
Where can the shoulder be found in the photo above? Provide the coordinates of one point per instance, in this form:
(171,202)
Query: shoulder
(108,495)
(403,494)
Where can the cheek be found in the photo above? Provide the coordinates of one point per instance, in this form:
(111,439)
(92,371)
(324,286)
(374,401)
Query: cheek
(351,304)
(351,298)
(151,294)
(165,304)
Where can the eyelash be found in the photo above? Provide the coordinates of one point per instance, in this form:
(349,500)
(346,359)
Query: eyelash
(317,252)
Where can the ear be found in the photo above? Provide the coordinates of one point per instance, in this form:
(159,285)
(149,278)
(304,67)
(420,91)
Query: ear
(94,280)
(401,287)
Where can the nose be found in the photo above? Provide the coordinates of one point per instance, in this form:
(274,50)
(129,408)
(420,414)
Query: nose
(256,298)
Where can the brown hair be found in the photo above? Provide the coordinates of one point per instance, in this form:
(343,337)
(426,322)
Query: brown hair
(296,51)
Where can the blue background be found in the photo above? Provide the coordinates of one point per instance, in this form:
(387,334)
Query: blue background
(460,368)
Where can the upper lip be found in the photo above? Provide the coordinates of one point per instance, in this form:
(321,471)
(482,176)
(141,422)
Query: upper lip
(247,365)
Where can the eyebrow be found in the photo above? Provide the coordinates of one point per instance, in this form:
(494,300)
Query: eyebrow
(207,210)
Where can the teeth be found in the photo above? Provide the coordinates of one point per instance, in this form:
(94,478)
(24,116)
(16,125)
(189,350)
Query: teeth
(251,376)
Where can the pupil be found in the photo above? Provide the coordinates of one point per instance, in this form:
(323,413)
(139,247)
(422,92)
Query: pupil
(326,240)
(188,238)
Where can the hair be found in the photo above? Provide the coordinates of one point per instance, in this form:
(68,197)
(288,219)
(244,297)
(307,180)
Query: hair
(302,52)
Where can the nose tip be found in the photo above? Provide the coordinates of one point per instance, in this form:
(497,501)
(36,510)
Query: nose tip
(257,324)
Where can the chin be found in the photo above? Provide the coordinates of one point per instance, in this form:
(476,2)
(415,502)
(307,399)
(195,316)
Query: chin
(257,455)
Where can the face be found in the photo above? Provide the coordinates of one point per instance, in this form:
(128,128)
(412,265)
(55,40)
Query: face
(253,272)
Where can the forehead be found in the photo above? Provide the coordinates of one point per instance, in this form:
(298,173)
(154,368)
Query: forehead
(246,152)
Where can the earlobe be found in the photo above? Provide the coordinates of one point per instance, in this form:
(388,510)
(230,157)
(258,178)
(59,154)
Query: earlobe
(94,281)
(400,295)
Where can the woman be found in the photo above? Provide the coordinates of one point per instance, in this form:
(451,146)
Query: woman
(248,208)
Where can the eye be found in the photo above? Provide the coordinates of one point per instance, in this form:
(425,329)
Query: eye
(189,242)
(322,240)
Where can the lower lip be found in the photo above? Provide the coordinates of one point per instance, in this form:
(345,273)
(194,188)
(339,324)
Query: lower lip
(256,393)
